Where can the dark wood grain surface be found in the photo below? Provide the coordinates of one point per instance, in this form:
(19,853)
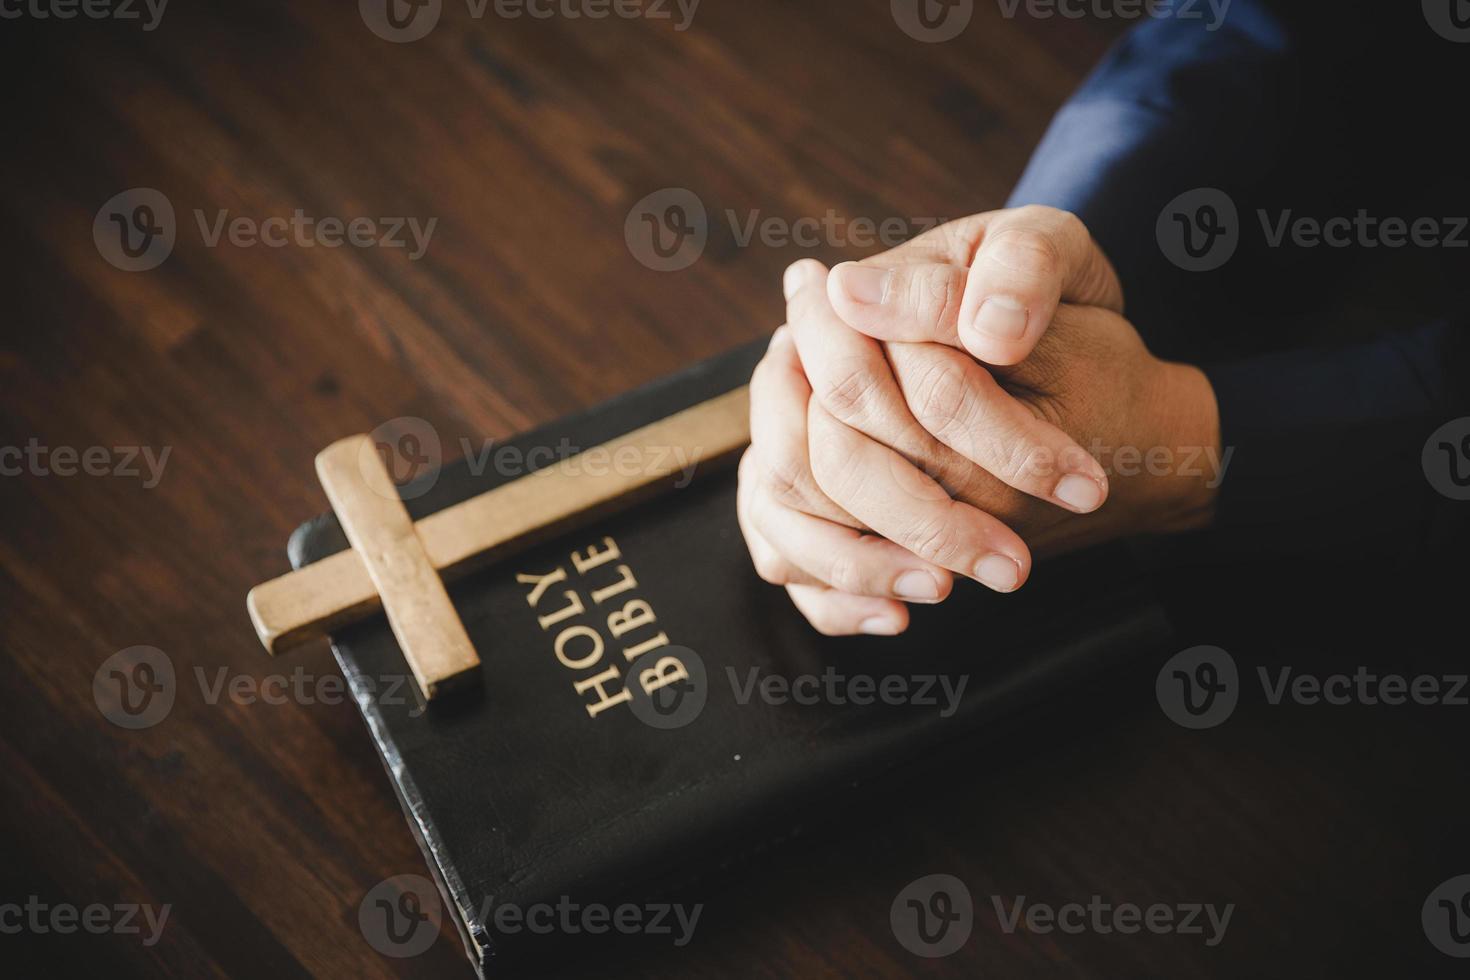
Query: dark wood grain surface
(262,826)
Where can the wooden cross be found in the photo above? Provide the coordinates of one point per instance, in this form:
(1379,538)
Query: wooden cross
(396,564)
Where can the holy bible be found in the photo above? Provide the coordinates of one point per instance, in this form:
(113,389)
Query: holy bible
(646,709)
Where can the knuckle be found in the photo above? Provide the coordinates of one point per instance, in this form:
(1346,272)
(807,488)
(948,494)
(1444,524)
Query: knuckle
(936,540)
(770,568)
(1016,463)
(848,391)
(1069,226)
(836,473)
(846,575)
(787,480)
(935,295)
(942,398)
(1027,252)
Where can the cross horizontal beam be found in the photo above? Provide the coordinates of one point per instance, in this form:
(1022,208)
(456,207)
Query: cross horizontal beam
(339,590)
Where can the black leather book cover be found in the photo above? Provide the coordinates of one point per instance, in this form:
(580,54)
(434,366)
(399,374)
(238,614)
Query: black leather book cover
(560,780)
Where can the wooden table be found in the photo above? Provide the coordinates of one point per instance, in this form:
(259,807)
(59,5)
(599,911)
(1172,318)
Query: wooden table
(527,141)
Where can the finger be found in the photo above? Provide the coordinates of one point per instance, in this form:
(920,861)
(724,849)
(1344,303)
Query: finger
(836,613)
(847,560)
(886,492)
(847,371)
(1029,260)
(905,302)
(769,563)
(851,378)
(779,393)
(960,402)
(989,286)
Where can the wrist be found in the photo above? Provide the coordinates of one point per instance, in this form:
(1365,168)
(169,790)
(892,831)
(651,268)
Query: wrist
(1182,497)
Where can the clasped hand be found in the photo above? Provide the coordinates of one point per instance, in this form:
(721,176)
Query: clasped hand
(926,413)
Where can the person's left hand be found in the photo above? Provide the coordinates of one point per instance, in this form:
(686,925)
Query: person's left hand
(946,459)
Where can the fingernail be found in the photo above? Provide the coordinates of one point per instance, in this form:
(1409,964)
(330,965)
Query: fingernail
(1001,318)
(863,283)
(916,585)
(998,572)
(1079,492)
(791,281)
(879,626)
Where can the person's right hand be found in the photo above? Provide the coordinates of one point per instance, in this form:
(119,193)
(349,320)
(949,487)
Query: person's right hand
(922,445)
